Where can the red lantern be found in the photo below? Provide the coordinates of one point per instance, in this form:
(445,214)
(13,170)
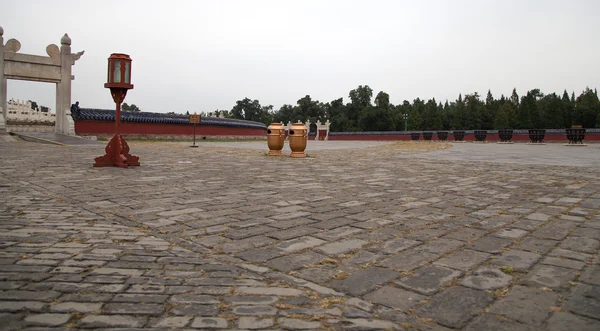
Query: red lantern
(118,81)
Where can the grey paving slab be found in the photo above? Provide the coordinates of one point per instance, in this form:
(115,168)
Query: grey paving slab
(549,154)
(361,235)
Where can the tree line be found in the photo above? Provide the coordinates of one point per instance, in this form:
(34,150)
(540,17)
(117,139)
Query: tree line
(533,110)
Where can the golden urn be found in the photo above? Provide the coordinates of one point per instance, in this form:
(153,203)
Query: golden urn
(298,138)
(275,138)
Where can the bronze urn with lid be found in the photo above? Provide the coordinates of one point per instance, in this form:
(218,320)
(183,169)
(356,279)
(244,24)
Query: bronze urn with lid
(275,138)
(298,139)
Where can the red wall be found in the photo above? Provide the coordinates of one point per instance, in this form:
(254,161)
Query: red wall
(468,137)
(98,127)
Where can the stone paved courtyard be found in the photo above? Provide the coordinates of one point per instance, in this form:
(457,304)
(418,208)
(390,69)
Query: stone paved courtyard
(382,237)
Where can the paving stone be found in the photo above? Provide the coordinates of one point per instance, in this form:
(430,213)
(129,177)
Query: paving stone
(248,232)
(299,244)
(493,322)
(133,308)
(296,232)
(251,300)
(553,230)
(320,274)
(408,260)
(259,255)
(526,224)
(366,324)
(13,306)
(278,291)
(466,234)
(254,323)
(495,222)
(47,319)
(112,321)
(117,272)
(510,233)
(587,232)
(341,247)
(359,303)
(538,217)
(564,321)
(361,257)
(147,298)
(518,260)
(584,300)
(82,307)
(172,322)
(591,275)
(526,305)
(455,306)
(396,245)
(440,246)
(356,313)
(487,278)
(19,295)
(395,298)
(332,312)
(295,261)
(426,234)
(550,276)
(196,310)
(298,324)
(365,280)
(253,310)
(564,263)
(536,245)
(429,279)
(338,233)
(570,254)
(581,244)
(490,244)
(209,323)
(464,259)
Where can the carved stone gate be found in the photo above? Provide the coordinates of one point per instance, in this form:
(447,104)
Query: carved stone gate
(54,68)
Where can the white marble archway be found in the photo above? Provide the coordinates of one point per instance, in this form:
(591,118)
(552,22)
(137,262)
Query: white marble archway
(54,68)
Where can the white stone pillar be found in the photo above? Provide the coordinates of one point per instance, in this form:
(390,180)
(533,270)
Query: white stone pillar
(69,123)
(63,89)
(2,122)
(2,83)
(327,124)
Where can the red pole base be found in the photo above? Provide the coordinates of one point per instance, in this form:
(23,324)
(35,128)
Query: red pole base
(117,154)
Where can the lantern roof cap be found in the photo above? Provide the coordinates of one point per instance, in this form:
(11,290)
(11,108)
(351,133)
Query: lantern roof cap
(1,31)
(65,40)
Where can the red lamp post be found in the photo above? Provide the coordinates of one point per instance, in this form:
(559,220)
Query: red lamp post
(118,81)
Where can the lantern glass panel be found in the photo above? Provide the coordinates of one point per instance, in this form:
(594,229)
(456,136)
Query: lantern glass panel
(117,72)
(127,72)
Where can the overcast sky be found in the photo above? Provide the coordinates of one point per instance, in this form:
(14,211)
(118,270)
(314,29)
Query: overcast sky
(205,55)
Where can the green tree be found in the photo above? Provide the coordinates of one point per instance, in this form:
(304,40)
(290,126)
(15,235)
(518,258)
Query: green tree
(523,116)
(587,108)
(376,119)
(514,98)
(382,100)
(132,107)
(308,109)
(473,111)
(415,123)
(567,107)
(598,121)
(501,121)
(489,112)
(249,110)
(551,108)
